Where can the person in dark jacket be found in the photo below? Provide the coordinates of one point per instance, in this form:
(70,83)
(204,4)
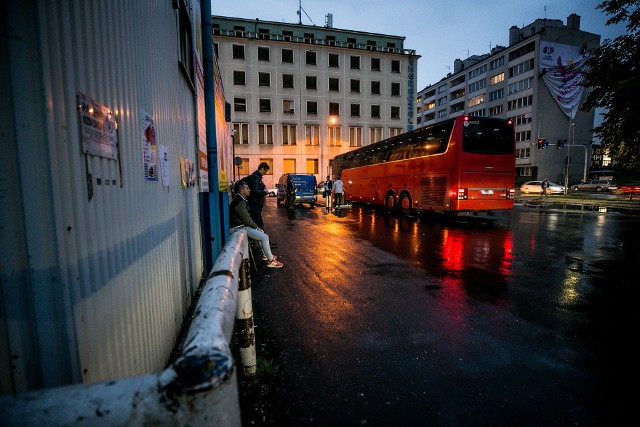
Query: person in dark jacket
(239,216)
(258,193)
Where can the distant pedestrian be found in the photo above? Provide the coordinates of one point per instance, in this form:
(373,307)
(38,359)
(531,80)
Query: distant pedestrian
(545,185)
(239,216)
(338,192)
(291,194)
(328,186)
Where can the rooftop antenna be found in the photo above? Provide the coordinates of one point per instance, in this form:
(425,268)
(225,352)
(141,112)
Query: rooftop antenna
(300,10)
(545,11)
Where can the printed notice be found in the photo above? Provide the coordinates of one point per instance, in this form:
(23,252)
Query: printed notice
(149,147)
(99,136)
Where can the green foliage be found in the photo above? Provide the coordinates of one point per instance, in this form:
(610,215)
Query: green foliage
(613,76)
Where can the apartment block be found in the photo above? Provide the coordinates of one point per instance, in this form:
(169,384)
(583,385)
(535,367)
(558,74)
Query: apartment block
(301,94)
(534,82)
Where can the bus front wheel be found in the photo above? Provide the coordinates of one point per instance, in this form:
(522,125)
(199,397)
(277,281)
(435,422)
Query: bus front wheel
(390,202)
(405,204)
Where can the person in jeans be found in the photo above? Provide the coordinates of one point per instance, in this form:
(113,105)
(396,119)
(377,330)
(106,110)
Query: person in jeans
(239,216)
(257,198)
(328,186)
(338,192)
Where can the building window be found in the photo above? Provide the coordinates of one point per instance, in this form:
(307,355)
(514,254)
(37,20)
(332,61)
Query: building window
(355,85)
(351,42)
(310,57)
(238,51)
(241,133)
(395,89)
(334,108)
(312,135)
(395,66)
(186,47)
(264,79)
(239,104)
(287,56)
(288,35)
(476,100)
(243,169)
(288,106)
(375,111)
(355,136)
(376,135)
(312,166)
(312,82)
(334,60)
(355,110)
(375,88)
(312,107)
(496,94)
(334,136)
(354,62)
(394,131)
(265,105)
(288,165)
(288,134)
(309,37)
(495,111)
(334,84)
(496,79)
(239,78)
(263,33)
(265,134)
(263,53)
(287,81)
(375,64)
(395,112)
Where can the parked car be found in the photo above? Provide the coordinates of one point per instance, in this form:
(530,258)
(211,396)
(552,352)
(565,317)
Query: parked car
(536,187)
(593,184)
(320,190)
(272,192)
(628,188)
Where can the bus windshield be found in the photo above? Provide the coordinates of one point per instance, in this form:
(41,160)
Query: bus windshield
(489,136)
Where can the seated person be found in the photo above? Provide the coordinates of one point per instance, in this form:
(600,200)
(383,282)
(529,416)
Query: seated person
(239,216)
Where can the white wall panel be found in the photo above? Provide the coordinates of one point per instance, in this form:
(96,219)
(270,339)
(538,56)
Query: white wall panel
(124,265)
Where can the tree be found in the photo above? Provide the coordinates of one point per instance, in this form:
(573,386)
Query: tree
(613,76)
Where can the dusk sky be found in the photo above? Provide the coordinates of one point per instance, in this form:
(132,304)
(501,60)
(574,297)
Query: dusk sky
(439,31)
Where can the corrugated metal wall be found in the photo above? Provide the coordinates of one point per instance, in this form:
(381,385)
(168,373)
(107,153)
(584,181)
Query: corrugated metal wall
(102,285)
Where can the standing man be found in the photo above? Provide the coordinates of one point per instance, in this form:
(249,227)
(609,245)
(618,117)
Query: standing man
(338,192)
(258,193)
(239,216)
(328,186)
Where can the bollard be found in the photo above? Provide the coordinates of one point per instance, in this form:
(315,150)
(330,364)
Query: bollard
(244,320)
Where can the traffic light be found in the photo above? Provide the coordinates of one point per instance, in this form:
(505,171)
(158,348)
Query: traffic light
(546,144)
(540,143)
(561,143)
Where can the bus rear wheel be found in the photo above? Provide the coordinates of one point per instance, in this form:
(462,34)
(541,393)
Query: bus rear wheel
(405,204)
(390,202)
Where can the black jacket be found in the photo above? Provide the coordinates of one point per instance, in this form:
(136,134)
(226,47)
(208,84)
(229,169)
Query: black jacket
(258,189)
(239,214)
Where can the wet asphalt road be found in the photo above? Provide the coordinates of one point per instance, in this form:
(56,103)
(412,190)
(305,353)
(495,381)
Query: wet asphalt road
(524,319)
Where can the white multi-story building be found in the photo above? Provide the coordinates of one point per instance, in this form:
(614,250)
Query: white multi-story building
(301,94)
(533,81)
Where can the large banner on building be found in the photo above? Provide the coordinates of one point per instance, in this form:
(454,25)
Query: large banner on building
(562,69)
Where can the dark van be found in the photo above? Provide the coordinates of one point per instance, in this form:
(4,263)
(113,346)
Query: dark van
(304,185)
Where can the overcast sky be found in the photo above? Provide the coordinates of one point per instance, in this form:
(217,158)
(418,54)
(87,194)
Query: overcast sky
(439,31)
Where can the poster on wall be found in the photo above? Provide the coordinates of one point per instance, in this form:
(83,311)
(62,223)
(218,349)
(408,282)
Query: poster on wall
(164,165)
(99,136)
(149,147)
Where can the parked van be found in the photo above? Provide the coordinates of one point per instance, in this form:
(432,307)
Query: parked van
(304,185)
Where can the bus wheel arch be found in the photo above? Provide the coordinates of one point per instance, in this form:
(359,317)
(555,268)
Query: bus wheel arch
(405,204)
(390,204)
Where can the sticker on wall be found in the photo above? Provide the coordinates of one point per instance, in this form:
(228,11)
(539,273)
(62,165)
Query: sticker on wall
(149,147)
(98,128)
(164,165)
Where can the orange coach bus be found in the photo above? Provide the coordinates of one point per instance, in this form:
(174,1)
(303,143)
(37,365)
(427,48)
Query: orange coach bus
(464,165)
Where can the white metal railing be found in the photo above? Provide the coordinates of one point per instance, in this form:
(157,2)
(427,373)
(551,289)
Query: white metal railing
(199,389)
